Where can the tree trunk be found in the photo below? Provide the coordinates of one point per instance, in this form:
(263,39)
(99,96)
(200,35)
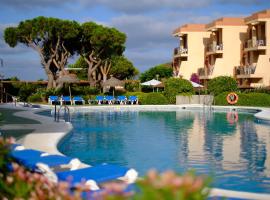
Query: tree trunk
(105,68)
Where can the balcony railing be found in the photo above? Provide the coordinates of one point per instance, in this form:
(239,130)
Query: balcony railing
(245,70)
(255,43)
(208,71)
(214,47)
(178,51)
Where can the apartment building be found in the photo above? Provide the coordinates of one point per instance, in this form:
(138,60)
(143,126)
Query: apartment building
(190,53)
(238,47)
(254,69)
(222,53)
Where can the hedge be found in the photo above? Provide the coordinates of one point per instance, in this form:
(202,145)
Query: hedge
(245,99)
(154,99)
(175,86)
(222,84)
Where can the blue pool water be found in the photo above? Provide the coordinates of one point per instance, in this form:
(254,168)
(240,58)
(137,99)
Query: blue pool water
(235,152)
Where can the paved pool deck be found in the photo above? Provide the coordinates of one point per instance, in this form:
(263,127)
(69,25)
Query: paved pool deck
(48,133)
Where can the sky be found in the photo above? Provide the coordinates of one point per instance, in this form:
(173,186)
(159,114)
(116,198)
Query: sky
(148,25)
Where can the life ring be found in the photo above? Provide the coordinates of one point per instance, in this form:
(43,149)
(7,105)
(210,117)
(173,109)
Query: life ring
(232,117)
(232,98)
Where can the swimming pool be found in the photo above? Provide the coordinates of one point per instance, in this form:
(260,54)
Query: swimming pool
(234,149)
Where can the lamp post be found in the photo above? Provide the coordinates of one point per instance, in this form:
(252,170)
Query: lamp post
(157,76)
(1,87)
(1,83)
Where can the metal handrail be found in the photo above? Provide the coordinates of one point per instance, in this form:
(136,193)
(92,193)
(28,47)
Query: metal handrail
(66,110)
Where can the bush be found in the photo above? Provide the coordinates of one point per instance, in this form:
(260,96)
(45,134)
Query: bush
(37,97)
(175,86)
(26,90)
(245,99)
(222,84)
(154,99)
(132,86)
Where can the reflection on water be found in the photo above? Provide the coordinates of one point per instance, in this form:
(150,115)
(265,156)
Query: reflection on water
(231,147)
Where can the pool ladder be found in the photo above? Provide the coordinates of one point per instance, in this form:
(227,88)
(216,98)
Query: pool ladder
(208,102)
(66,113)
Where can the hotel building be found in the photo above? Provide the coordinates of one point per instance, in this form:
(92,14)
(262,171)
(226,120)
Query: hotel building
(238,47)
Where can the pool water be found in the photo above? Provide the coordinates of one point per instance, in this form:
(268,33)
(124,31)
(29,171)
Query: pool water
(234,149)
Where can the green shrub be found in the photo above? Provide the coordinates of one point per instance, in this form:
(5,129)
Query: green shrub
(37,97)
(84,90)
(132,86)
(26,90)
(175,86)
(245,99)
(222,84)
(154,99)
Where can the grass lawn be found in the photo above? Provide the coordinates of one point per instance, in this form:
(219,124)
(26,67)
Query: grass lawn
(7,117)
(16,134)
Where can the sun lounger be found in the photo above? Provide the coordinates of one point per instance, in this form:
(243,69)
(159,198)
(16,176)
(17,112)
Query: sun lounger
(56,162)
(78,99)
(109,99)
(44,163)
(99,99)
(66,100)
(121,100)
(26,154)
(133,100)
(53,100)
(98,174)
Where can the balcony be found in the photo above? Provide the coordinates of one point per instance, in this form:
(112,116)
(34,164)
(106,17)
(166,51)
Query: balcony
(206,73)
(214,49)
(253,45)
(247,71)
(180,52)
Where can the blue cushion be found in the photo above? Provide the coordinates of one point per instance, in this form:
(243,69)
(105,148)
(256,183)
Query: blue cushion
(66,98)
(133,98)
(50,160)
(121,98)
(53,98)
(99,98)
(109,98)
(99,173)
(77,98)
(26,154)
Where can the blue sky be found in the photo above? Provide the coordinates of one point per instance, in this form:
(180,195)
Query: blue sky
(148,25)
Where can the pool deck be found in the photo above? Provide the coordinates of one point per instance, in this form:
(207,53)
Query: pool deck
(46,136)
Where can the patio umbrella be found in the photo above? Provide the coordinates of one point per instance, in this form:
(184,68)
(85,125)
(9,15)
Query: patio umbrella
(113,82)
(196,85)
(152,83)
(69,78)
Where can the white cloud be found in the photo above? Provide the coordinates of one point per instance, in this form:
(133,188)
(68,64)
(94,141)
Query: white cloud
(146,5)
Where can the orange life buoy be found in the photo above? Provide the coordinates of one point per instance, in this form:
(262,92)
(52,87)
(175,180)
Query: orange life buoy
(232,98)
(232,117)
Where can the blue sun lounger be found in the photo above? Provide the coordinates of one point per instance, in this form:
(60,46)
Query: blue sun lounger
(133,100)
(52,161)
(97,174)
(99,99)
(66,100)
(53,100)
(109,99)
(78,99)
(121,100)
(30,157)
(27,154)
